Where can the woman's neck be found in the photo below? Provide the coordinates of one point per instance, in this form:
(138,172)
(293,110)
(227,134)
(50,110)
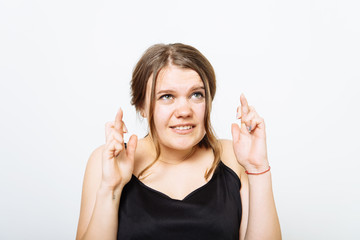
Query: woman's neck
(174,156)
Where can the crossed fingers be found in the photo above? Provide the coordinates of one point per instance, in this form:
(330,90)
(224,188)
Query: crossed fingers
(249,117)
(114,133)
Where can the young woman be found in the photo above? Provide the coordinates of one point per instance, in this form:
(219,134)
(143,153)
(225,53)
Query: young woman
(179,181)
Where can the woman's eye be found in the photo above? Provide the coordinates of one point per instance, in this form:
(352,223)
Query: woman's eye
(198,95)
(166,97)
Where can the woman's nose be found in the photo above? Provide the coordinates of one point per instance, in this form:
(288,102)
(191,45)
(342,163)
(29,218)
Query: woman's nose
(183,109)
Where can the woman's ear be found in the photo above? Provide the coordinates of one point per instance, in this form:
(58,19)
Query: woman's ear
(142,113)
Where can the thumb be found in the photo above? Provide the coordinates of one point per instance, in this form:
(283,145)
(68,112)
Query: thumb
(131,146)
(235,132)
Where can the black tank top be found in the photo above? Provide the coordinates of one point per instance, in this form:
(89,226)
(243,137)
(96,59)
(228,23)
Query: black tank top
(213,211)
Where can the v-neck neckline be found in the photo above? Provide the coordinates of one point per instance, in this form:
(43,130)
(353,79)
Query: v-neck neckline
(161,194)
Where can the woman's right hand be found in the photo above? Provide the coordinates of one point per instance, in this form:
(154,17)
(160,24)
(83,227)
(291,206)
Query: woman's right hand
(117,162)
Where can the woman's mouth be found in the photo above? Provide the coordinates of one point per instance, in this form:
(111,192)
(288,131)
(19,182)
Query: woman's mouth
(183,129)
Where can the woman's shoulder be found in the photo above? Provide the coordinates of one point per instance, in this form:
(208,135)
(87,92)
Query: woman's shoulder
(228,156)
(96,157)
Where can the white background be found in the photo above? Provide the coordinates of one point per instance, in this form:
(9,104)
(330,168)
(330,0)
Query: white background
(65,68)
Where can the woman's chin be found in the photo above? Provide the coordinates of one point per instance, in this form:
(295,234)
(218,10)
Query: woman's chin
(183,145)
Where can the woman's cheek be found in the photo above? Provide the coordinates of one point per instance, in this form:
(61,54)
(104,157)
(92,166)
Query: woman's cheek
(162,113)
(201,110)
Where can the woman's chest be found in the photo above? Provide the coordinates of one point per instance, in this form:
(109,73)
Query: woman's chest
(212,211)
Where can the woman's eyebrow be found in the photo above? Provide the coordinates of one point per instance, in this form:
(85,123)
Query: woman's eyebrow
(165,91)
(195,88)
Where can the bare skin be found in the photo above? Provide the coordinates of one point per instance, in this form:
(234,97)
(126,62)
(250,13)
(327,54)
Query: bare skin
(111,166)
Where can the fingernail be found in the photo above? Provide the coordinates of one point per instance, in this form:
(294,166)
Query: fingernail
(125,129)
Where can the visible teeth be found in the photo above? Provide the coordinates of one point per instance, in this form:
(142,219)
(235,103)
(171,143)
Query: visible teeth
(183,127)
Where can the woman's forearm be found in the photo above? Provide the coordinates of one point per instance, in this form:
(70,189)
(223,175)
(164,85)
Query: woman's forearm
(104,220)
(263,221)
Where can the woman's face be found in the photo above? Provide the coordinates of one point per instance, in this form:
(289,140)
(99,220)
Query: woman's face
(179,108)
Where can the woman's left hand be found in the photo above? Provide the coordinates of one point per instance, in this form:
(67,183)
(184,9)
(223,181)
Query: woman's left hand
(249,140)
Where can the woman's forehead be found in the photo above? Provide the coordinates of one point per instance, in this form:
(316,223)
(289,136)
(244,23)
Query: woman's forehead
(174,76)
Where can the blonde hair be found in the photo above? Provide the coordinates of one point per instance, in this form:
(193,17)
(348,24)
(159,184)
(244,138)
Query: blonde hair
(150,64)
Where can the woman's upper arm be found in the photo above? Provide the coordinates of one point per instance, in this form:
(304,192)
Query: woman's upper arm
(91,183)
(244,195)
(228,158)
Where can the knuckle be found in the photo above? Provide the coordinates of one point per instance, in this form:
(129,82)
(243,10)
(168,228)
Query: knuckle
(119,147)
(109,124)
(111,134)
(118,137)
